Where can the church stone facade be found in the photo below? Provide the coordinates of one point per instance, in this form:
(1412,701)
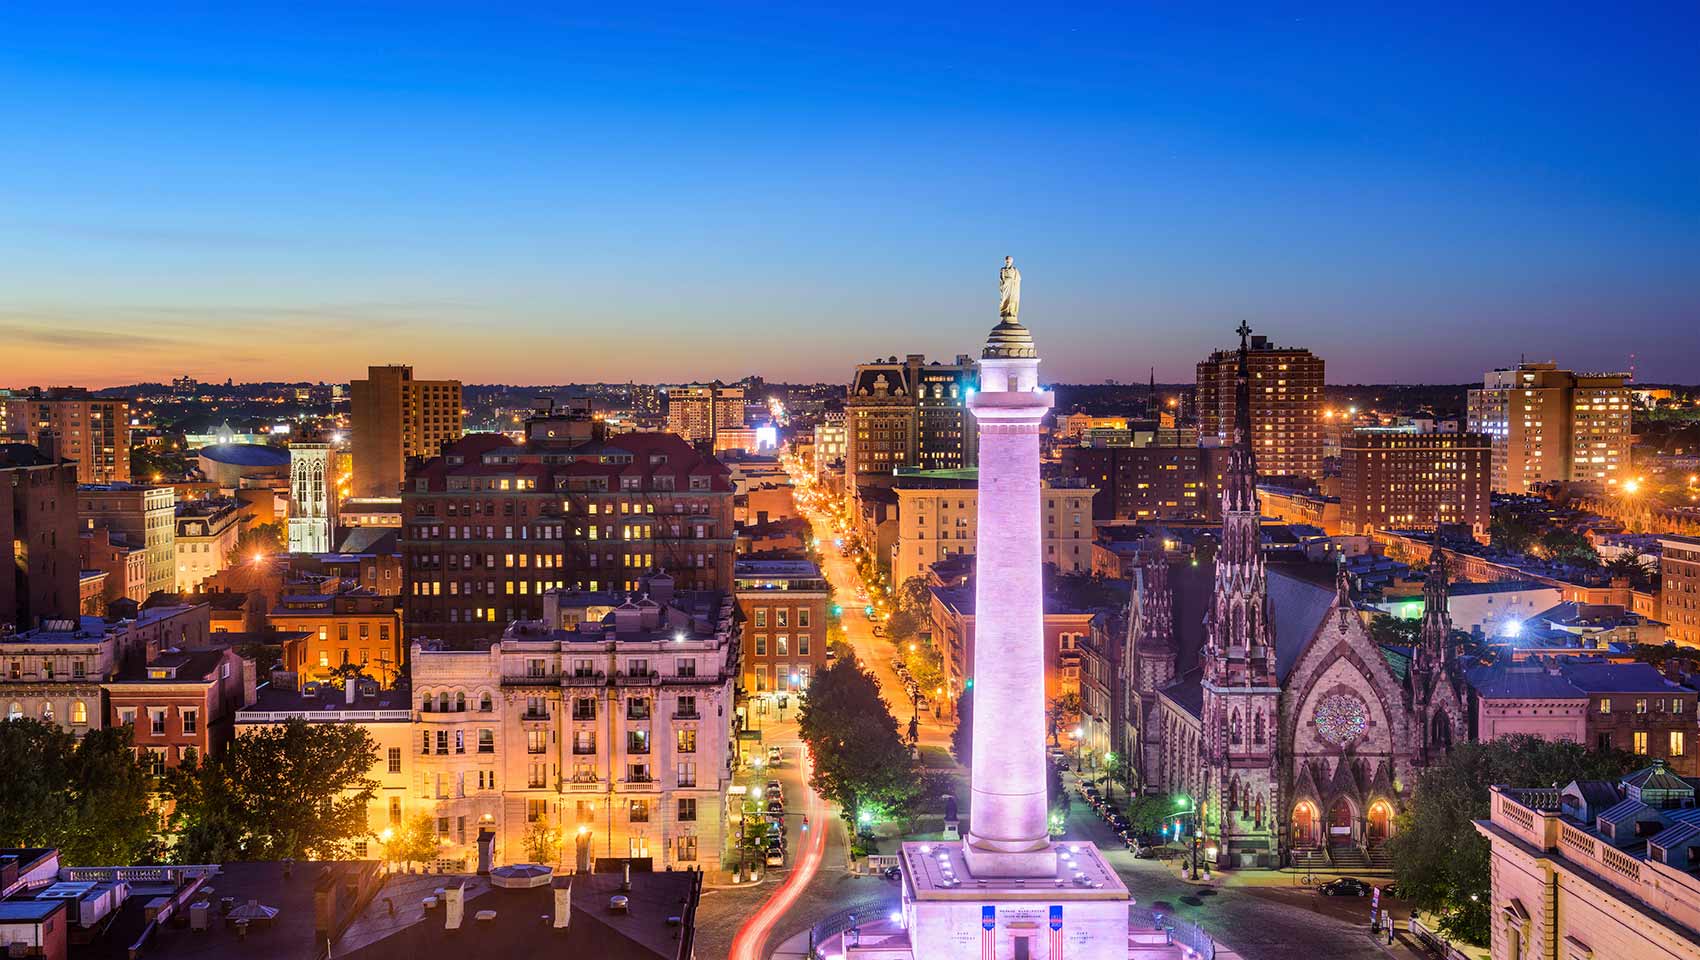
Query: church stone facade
(1296,736)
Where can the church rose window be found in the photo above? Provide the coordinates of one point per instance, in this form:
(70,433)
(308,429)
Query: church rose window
(1341,718)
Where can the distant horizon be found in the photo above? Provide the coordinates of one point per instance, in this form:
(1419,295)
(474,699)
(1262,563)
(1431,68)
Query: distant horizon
(1161,384)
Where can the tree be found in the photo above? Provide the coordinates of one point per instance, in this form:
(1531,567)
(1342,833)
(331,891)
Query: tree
(1568,546)
(1060,713)
(542,843)
(88,798)
(298,789)
(861,763)
(962,738)
(1439,859)
(1398,631)
(259,540)
(414,841)
(1511,531)
(1149,814)
(915,598)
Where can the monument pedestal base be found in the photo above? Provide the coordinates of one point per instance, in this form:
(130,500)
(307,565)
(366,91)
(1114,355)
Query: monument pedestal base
(953,908)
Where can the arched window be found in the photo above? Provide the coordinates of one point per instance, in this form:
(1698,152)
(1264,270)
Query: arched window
(1257,728)
(425,703)
(15,711)
(484,705)
(443,702)
(47,712)
(460,702)
(1237,729)
(1441,731)
(79,712)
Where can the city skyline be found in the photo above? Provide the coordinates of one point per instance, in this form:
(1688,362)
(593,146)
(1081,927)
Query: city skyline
(271,196)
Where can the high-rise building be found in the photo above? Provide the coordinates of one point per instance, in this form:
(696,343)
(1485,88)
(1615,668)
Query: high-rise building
(699,411)
(143,515)
(1397,479)
(395,417)
(38,530)
(69,423)
(488,527)
(910,413)
(1550,425)
(1286,405)
(311,512)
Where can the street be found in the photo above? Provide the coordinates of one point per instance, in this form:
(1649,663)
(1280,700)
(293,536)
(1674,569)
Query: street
(1261,915)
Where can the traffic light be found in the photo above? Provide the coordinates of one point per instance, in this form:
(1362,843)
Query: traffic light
(868,610)
(968,684)
(838,610)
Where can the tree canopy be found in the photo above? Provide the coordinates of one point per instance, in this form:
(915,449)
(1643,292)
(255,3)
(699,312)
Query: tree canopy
(295,790)
(261,539)
(860,760)
(89,798)
(1439,858)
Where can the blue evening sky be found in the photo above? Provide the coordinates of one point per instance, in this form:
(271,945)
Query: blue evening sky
(551,192)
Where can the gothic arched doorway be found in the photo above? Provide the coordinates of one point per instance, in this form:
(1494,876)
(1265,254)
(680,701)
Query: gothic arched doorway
(1340,821)
(1380,822)
(1304,824)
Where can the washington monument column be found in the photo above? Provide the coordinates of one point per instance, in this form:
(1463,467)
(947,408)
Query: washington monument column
(1008,831)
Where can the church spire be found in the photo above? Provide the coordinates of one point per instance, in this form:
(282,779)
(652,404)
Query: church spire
(1436,633)
(1237,625)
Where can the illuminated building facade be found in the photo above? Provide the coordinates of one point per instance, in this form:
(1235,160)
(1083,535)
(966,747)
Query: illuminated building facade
(1547,425)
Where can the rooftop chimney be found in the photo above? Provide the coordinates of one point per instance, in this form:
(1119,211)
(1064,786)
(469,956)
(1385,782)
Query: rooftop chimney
(348,688)
(455,905)
(563,902)
(626,878)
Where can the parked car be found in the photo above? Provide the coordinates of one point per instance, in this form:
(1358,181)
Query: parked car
(776,808)
(774,789)
(775,855)
(1391,891)
(1345,887)
(879,631)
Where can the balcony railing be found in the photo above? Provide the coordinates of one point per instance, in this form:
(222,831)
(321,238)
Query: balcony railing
(692,714)
(584,749)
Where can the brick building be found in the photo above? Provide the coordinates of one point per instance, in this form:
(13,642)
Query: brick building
(38,529)
(182,702)
(1396,479)
(143,515)
(489,526)
(1679,589)
(1285,402)
(784,605)
(345,627)
(394,417)
(72,424)
(1150,482)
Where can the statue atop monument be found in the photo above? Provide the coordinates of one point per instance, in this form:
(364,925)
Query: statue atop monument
(1009,289)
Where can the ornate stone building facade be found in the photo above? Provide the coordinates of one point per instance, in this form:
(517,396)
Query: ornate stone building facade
(1295,734)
